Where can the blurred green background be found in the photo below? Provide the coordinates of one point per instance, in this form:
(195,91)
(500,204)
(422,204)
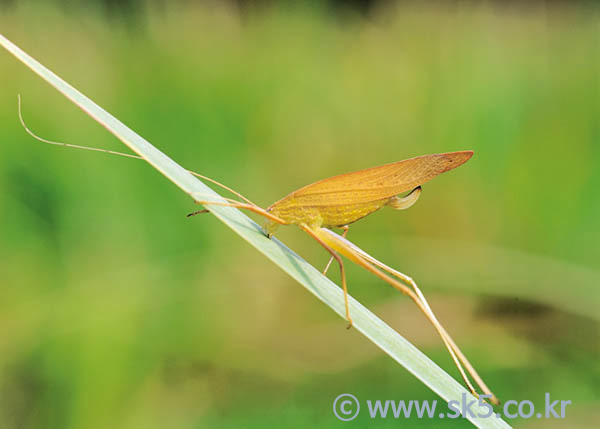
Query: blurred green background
(117,311)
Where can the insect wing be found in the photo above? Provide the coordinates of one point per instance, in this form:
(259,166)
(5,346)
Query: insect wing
(377,183)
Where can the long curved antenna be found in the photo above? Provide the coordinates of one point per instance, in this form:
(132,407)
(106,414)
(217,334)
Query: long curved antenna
(112,152)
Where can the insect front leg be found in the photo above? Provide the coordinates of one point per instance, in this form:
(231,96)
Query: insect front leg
(270,227)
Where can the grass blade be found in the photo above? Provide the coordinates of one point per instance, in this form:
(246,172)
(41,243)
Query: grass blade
(365,322)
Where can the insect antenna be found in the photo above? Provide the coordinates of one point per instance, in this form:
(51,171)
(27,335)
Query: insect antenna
(112,152)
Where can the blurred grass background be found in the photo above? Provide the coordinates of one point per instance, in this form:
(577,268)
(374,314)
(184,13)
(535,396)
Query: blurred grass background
(117,311)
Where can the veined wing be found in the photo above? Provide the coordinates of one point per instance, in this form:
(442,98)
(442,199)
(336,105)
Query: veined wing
(376,183)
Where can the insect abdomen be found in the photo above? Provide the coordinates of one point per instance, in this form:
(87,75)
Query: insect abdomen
(324,215)
(346,214)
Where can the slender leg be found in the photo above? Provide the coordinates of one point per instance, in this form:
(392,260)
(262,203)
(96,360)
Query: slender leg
(410,282)
(255,209)
(338,258)
(350,251)
(345,228)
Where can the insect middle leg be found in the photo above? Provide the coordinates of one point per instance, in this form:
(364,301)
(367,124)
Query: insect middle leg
(338,258)
(345,228)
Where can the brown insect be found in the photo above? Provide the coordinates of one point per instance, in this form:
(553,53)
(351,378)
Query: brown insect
(341,200)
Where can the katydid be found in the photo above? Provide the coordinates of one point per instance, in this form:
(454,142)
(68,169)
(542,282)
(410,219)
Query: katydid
(337,202)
